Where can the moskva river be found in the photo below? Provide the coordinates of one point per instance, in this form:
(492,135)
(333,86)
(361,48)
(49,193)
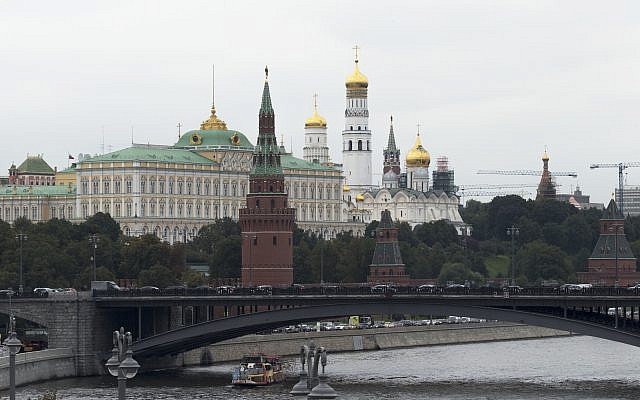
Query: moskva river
(559,368)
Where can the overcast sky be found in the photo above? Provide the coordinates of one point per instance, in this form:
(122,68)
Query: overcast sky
(490,82)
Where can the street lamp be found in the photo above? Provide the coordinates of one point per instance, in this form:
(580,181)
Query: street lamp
(21,237)
(14,344)
(121,364)
(93,239)
(513,231)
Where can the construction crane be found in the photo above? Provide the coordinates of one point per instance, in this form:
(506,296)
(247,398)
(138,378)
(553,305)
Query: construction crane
(496,186)
(621,167)
(525,172)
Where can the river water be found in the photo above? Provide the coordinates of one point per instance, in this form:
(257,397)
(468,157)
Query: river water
(578,367)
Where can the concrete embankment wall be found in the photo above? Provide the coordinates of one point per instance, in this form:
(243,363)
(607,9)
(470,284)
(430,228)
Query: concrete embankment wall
(366,339)
(38,366)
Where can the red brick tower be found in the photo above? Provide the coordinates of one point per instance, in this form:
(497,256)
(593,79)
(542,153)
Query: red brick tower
(387,265)
(267,221)
(612,249)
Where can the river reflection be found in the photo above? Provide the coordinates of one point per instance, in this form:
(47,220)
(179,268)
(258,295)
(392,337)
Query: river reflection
(558,368)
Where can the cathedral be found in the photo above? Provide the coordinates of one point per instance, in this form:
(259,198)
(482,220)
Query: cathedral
(171,191)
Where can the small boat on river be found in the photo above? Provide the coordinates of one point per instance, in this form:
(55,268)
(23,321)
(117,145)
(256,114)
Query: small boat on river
(258,370)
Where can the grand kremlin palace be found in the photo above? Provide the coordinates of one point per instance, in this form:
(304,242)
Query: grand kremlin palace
(172,191)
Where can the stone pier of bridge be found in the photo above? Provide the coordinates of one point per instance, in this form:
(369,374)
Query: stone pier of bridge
(75,322)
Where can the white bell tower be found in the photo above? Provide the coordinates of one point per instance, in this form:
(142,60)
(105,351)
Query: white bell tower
(356,136)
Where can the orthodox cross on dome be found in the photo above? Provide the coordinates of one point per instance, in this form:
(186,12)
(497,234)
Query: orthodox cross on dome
(179,126)
(315,102)
(356,48)
(418,125)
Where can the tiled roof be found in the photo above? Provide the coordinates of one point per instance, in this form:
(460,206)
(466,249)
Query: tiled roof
(288,161)
(35,165)
(151,153)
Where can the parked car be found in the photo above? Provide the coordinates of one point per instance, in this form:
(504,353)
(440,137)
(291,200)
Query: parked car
(428,289)
(7,292)
(43,291)
(569,288)
(383,289)
(512,289)
(225,289)
(635,287)
(330,289)
(149,290)
(264,290)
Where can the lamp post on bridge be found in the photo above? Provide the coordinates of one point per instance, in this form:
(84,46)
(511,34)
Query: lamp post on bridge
(21,237)
(513,231)
(14,344)
(121,364)
(93,239)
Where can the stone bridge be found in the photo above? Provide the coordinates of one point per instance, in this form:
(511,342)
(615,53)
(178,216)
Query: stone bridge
(169,325)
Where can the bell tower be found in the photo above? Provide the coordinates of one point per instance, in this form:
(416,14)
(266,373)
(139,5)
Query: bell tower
(356,136)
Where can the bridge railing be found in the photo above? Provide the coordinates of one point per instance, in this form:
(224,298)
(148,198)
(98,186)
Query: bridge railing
(359,290)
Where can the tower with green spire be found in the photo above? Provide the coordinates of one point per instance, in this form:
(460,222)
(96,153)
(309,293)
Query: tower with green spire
(267,221)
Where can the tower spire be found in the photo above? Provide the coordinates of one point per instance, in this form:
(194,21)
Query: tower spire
(391,145)
(213,123)
(213,85)
(266,157)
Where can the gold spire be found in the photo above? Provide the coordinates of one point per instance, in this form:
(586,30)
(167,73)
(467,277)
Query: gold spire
(213,123)
(316,120)
(418,156)
(357,79)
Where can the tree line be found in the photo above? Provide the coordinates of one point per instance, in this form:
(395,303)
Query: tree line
(554,242)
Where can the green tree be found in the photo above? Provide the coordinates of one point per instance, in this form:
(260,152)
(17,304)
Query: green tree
(457,272)
(157,275)
(538,261)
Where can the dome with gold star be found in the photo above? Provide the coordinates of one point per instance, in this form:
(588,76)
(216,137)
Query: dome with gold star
(418,156)
(357,80)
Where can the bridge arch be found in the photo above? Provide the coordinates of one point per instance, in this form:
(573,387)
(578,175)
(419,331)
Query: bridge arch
(199,335)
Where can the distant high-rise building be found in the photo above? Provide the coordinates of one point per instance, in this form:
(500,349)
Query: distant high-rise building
(631,199)
(267,221)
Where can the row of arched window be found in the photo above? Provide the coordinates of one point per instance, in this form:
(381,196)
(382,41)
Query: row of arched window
(359,145)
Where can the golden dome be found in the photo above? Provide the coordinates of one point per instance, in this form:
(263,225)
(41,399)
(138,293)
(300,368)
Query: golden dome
(316,120)
(418,156)
(357,79)
(545,156)
(359,197)
(346,188)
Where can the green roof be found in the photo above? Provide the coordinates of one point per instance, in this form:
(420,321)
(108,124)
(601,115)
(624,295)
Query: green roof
(226,139)
(288,161)
(151,153)
(13,190)
(35,165)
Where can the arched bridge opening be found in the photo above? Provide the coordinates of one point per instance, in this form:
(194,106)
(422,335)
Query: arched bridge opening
(202,334)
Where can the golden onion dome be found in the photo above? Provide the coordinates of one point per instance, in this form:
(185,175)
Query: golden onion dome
(316,120)
(545,156)
(359,197)
(346,188)
(357,79)
(418,156)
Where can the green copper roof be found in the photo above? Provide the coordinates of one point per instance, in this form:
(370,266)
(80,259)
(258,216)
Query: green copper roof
(12,190)
(288,161)
(265,107)
(151,153)
(35,165)
(226,139)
